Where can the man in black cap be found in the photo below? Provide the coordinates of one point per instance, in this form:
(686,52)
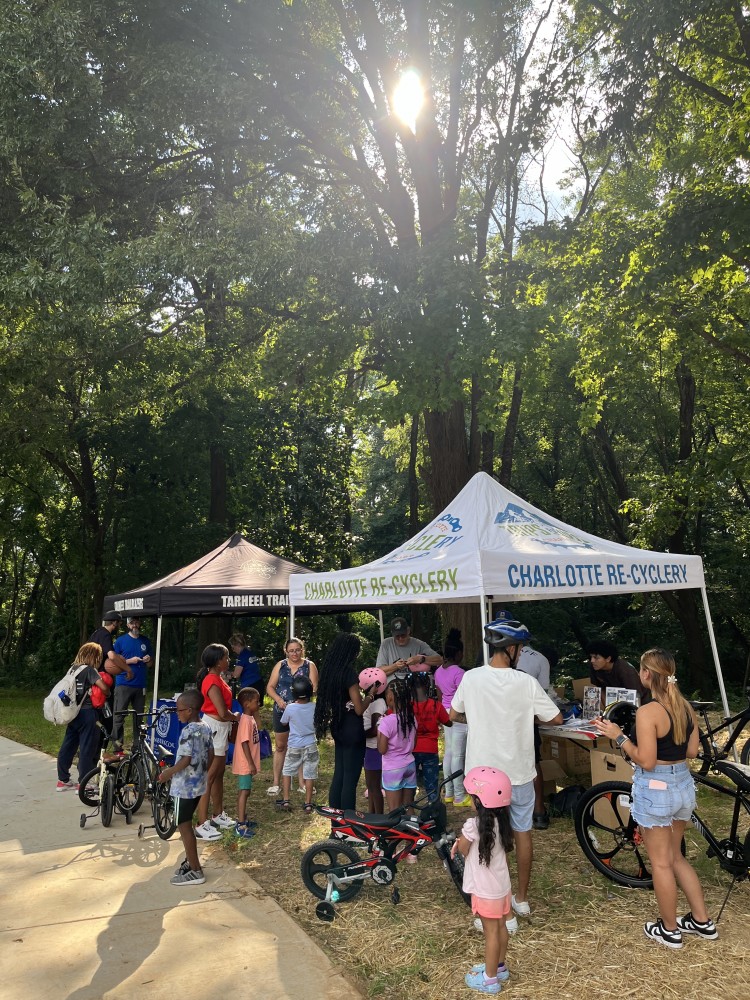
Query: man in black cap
(401,651)
(112,662)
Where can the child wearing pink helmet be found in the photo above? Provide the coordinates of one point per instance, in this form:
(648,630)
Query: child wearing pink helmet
(485,840)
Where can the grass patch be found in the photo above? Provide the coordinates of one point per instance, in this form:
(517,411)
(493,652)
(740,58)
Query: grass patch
(585,934)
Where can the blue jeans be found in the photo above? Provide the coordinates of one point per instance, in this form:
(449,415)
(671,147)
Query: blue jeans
(454,739)
(83,736)
(427,773)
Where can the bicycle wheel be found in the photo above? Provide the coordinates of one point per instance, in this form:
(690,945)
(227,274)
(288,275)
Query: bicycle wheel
(319,859)
(455,868)
(108,800)
(130,785)
(88,788)
(162,805)
(702,763)
(745,754)
(609,837)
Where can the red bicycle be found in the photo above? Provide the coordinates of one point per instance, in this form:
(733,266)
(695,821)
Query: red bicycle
(334,871)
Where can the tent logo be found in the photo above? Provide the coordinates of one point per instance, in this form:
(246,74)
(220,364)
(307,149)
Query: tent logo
(522,523)
(262,570)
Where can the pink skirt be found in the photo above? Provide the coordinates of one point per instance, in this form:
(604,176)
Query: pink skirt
(492,909)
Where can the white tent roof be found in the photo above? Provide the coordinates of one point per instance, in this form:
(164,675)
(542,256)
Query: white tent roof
(489,542)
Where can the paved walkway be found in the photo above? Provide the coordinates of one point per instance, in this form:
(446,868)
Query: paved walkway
(89,914)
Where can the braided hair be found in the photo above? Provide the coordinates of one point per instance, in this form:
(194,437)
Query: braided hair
(453,648)
(492,822)
(403,708)
(335,676)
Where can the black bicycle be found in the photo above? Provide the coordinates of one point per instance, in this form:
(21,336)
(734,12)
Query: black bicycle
(99,789)
(711,750)
(137,777)
(611,840)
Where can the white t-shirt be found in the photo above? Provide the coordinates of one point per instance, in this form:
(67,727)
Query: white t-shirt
(535,664)
(500,705)
(377,707)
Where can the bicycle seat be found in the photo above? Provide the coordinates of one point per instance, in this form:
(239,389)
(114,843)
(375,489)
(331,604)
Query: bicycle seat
(374,819)
(700,705)
(739,773)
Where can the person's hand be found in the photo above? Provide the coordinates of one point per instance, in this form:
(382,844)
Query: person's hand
(164,776)
(606,728)
(129,674)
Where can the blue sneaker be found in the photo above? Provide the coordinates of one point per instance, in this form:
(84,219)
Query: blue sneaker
(475,981)
(243,830)
(502,974)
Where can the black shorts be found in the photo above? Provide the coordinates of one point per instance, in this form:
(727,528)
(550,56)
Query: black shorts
(184,809)
(537,743)
(278,726)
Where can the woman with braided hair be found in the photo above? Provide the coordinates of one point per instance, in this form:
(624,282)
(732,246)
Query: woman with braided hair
(339,708)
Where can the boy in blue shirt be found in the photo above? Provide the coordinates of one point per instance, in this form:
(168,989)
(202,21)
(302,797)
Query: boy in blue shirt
(302,748)
(189,781)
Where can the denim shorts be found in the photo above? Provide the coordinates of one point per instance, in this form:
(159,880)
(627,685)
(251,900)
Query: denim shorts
(662,795)
(522,807)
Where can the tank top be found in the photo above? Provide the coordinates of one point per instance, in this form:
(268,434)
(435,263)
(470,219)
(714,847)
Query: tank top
(284,682)
(666,748)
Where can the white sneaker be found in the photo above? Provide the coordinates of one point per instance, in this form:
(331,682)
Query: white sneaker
(511,925)
(520,909)
(273,790)
(224,822)
(207,832)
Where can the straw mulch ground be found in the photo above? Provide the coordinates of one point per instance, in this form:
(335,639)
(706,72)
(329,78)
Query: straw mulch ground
(585,938)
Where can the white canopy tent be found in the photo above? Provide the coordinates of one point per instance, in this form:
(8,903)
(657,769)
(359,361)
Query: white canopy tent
(491,545)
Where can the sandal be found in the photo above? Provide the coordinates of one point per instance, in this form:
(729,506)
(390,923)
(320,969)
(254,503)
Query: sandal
(284,804)
(308,808)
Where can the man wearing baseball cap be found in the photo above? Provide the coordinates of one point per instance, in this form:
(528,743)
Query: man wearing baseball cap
(401,651)
(111,661)
(138,654)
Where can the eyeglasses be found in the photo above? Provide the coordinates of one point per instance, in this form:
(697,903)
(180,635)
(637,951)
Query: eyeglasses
(178,710)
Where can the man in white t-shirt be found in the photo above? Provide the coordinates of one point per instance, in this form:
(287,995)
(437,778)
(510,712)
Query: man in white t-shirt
(401,650)
(500,705)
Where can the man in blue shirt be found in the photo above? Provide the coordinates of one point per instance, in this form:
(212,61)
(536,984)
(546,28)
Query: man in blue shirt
(138,654)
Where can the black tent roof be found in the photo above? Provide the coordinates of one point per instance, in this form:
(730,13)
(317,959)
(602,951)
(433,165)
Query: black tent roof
(236,578)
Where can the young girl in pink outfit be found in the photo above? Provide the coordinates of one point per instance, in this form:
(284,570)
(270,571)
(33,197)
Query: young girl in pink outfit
(397,733)
(485,841)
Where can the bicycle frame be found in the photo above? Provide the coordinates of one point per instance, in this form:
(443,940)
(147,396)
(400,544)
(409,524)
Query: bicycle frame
(739,722)
(728,851)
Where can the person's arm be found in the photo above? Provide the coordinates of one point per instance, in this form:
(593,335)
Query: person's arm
(248,755)
(271,688)
(458,709)
(100,684)
(116,664)
(461,844)
(382,743)
(360,703)
(217,700)
(644,754)
(694,741)
(442,716)
(373,730)
(237,672)
(431,659)
(313,675)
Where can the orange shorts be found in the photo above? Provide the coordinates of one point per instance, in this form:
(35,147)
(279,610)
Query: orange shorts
(492,909)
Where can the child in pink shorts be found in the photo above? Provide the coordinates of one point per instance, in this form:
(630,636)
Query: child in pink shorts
(485,841)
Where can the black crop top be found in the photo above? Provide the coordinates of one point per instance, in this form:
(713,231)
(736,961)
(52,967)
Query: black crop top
(666,748)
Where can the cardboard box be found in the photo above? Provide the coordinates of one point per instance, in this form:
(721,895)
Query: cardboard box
(611,767)
(572,756)
(578,685)
(552,775)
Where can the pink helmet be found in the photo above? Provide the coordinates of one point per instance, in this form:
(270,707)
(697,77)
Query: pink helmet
(373,675)
(491,787)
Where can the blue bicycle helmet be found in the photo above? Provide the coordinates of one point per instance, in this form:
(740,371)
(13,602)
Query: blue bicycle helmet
(501,633)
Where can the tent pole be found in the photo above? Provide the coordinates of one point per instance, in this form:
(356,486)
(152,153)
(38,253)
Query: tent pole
(382,630)
(156,674)
(485,621)
(291,622)
(712,639)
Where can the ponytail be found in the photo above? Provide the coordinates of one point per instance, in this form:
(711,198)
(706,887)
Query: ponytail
(663,670)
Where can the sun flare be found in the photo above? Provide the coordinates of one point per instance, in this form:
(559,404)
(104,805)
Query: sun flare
(408,97)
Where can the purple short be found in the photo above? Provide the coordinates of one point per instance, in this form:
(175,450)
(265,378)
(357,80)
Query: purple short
(373,759)
(400,777)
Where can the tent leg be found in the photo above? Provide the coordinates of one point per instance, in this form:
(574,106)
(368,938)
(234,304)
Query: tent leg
(291,622)
(156,674)
(485,621)
(712,639)
(382,631)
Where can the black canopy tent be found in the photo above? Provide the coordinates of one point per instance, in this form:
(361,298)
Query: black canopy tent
(236,578)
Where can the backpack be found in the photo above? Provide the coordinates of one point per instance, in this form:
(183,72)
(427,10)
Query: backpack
(564,802)
(61,705)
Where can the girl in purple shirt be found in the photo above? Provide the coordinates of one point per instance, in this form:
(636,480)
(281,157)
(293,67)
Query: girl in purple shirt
(447,679)
(397,732)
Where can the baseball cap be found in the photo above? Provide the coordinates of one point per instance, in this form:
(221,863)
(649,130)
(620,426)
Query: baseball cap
(134,618)
(112,616)
(399,626)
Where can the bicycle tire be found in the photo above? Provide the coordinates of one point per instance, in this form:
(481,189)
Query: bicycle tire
(92,778)
(162,805)
(130,786)
(745,754)
(610,840)
(108,800)
(318,860)
(706,756)
(455,868)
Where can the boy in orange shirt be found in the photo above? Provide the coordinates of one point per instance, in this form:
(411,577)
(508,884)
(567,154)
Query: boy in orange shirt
(246,759)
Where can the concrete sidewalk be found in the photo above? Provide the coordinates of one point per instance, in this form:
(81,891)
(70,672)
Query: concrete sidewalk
(89,913)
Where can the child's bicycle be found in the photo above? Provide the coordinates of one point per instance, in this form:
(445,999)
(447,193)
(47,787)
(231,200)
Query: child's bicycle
(99,790)
(137,776)
(334,871)
(611,840)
